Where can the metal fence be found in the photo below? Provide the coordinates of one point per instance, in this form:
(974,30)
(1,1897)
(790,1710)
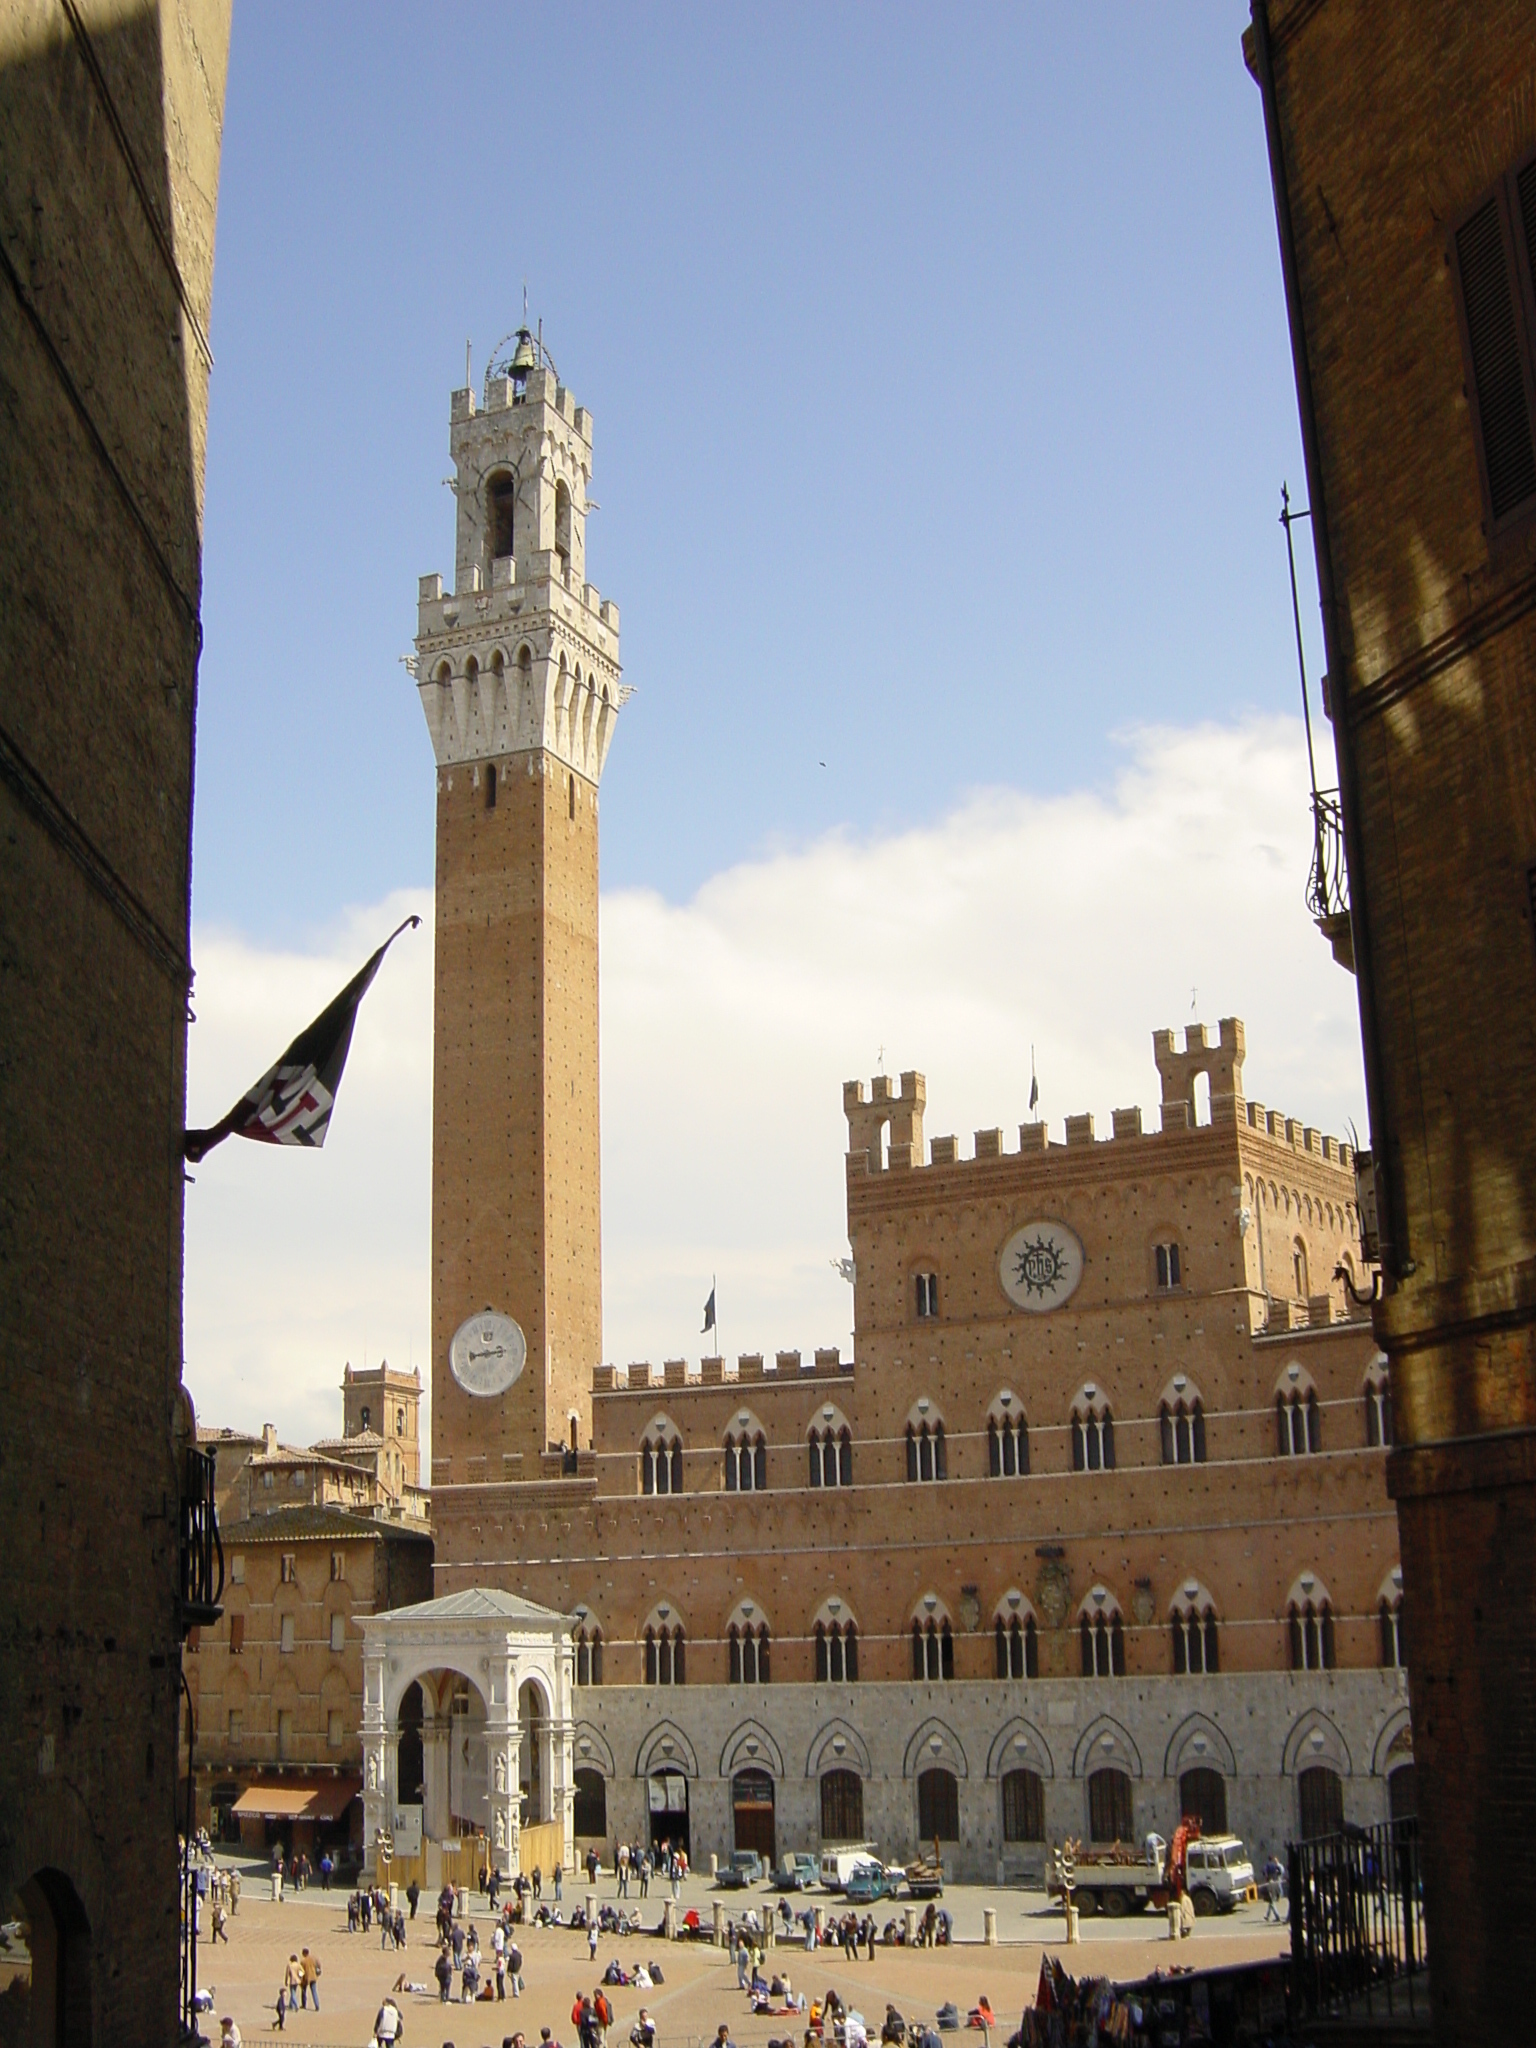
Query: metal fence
(1357,1923)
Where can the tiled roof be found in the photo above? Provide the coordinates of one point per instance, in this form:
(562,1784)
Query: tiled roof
(291,1525)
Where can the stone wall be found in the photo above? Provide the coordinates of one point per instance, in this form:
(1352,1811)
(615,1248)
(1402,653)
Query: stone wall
(110,126)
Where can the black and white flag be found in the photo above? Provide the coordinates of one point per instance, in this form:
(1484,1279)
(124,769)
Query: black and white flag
(709,1311)
(291,1103)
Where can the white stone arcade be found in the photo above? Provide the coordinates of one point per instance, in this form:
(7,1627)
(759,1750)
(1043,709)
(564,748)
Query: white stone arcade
(496,1675)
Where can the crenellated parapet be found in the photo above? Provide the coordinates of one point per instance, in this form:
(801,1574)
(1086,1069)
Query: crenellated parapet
(899,1111)
(678,1375)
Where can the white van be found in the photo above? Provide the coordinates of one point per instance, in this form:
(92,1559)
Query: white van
(838,1865)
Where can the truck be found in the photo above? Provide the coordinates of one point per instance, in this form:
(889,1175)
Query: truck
(838,1865)
(1214,1870)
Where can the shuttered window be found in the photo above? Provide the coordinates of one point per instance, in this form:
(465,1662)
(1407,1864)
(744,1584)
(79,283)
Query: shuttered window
(1494,264)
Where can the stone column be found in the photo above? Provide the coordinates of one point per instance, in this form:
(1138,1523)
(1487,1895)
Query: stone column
(376,1761)
(436,1816)
(502,1759)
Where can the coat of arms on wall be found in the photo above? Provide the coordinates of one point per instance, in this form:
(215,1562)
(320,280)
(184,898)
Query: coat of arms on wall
(1054,1594)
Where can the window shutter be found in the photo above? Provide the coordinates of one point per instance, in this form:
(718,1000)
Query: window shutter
(1493,337)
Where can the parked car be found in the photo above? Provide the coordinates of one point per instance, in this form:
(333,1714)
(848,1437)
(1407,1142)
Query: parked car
(838,1865)
(796,1873)
(872,1881)
(745,1867)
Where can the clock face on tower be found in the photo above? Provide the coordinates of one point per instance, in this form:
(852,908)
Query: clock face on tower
(487,1353)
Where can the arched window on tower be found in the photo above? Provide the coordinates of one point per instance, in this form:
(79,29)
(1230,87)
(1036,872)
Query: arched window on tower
(500,497)
(1299,1269)
(664,1653)
(749,1652)
(563,525)
(837,1651)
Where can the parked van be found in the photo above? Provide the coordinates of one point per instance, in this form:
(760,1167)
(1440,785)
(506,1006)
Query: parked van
(838,1865)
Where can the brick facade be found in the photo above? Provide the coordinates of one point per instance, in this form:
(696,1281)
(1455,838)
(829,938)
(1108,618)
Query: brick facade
(105,283)
(1389,131)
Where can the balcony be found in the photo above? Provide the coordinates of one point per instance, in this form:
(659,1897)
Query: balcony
(1328,883)
(202,1554)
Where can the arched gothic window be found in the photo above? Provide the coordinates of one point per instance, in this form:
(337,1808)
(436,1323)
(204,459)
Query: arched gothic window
(1093,1433)
(1298,1422)
(1394,1648)
(1018,1647)
(1183,1430)
(1378,1407)
(500,498)
(1102,1635)
(1007,1443)
(664,1654)
(1311,1629)
(925,1451)
(563,523)
(589,1655)
(746,1461)
(831,1449)
(1196,1649)
(749,1653)
(837,1652)
(933,1650)
(661,1461)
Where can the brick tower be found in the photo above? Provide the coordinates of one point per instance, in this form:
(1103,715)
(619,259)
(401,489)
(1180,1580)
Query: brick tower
(518,671)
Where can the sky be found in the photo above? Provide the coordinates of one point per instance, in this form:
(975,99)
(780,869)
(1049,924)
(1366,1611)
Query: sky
(942,399)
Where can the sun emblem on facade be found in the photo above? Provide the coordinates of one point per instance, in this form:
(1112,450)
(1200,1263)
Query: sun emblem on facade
(1040,1266)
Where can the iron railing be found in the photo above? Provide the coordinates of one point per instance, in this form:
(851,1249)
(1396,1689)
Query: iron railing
(1357,1923)
(202,1554)
(1328,883)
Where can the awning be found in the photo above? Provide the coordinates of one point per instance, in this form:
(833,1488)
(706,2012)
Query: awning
(299,1799)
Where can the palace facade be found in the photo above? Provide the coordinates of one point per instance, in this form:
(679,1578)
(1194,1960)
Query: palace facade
(1092,1528)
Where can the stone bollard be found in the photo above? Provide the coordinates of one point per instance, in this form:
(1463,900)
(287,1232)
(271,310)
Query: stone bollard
(719,1925)
(768,1934)
(669,1920)
(714,1864)
(989,1926)
(277,1887)
(1173,1920)
(911,1926)
(1072,1934)
(820,1927)
(591,1909)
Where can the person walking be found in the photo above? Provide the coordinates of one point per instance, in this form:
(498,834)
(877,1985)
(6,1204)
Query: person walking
(622,1863)
(309,1967)
(387,2024)
(442,1969)
(220,1930)
(327,1867)
(559,1875)
(413,1894)
(645,1875)
(515,1968)
(293,1981)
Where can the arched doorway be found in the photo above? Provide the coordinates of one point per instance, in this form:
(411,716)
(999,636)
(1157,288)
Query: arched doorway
(533,1754)
(47,1996)
(1402,1793)
(752,1811)
(1203,1797)
(410,1770)
(667,1798)
(591,1818)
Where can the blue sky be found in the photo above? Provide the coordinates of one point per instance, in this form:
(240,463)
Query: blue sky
(942,395)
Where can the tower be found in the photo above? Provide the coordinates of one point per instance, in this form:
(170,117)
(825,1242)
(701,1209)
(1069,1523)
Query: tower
(382,1401)
(518,671)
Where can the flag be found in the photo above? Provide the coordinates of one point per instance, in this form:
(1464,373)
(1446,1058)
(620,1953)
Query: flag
(1034,1085)
(291,1103)
(709,1312)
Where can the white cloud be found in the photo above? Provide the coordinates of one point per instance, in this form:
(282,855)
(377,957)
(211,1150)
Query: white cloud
(1076,923)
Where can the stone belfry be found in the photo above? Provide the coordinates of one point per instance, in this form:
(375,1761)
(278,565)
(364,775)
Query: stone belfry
(518,671)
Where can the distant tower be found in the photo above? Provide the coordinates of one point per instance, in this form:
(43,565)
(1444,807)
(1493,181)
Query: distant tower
(519,677)
(388,1402)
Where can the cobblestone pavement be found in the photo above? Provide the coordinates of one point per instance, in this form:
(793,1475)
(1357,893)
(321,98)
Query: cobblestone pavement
(700,1988)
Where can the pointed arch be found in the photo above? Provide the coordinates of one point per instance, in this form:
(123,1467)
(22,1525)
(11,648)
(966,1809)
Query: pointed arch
(838,1746)
(1007,1755)
(1329,1747)
(1185,1751)
(750,1746)
(1105,1742)
(666,1748)
(589,1747)
(934,1744)
(1390,1748)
